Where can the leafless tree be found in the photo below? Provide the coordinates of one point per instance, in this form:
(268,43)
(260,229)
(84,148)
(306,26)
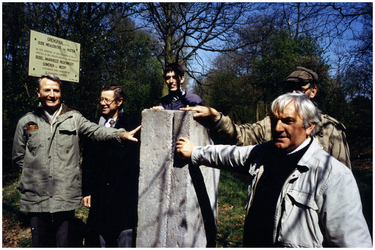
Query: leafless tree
(184,28)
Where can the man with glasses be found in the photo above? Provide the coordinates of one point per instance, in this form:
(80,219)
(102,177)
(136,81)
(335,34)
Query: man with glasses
(330,132)
(110,177)
(178,97)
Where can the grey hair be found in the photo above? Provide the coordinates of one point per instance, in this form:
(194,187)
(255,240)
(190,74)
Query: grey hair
(309,113)
(50,77)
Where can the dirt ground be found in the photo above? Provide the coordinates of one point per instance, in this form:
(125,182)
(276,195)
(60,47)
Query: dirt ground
(13,233)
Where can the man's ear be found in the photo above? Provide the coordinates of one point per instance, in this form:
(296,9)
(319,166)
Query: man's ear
(314,90)
(182,79)
(310,129)
(119,102)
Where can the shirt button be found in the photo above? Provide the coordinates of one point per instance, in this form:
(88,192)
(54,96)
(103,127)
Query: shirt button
(67,151)
(49,157)
(49,138)
(50,176)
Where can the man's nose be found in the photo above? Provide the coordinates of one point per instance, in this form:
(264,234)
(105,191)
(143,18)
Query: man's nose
(279,126)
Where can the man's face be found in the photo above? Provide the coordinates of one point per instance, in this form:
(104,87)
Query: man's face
(292,87)
(287,130)
(49,94)
(109,104)
(173,81)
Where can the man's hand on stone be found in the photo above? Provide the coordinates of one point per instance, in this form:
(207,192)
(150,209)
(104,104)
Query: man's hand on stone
(203,112)
(184,147)
(157,108)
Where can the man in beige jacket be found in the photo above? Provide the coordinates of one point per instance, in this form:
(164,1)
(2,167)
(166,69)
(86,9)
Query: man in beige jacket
(329,132)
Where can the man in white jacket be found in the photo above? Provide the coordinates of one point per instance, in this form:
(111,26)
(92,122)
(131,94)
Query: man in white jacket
(299,195)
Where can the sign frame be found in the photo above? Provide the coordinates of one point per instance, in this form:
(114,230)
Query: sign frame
(53,55)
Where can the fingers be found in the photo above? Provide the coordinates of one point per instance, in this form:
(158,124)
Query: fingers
(87,201)
(183,139)
(157,108)
(130,135)
(136,129)
(188,108)
(184,147)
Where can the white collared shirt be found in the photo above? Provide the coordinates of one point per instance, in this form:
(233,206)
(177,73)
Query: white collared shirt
(107,124)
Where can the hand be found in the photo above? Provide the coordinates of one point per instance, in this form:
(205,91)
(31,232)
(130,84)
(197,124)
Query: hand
(157,108)
(130,135)
(184,147)
(203,112)
(87,201)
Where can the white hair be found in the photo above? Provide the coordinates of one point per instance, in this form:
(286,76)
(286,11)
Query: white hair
(309,113)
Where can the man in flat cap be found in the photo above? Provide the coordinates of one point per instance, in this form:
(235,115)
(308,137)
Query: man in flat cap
(329,132)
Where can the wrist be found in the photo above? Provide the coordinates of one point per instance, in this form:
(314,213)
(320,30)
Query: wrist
(217,118)
(121,136)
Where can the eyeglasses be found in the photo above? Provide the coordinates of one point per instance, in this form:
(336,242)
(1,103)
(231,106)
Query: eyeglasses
(290,87)
(106,100)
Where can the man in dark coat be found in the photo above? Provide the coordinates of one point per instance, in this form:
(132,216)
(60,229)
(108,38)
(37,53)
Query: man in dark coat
(178,97)
(110,178)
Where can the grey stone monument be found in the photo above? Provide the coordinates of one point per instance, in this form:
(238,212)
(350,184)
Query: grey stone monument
(177,203)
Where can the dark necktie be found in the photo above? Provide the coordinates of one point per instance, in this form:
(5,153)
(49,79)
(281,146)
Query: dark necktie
(112,123)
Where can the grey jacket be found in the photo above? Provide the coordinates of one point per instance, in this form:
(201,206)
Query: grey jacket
(319,201)
(329,131)
(49,157)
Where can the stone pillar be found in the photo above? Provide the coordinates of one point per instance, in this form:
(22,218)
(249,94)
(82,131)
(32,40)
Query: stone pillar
(177,203)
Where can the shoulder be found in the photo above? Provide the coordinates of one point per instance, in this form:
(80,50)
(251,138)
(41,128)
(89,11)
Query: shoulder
(27,116)
(328,126)
(323,161)
(66,109)
(328,120)
(192,96)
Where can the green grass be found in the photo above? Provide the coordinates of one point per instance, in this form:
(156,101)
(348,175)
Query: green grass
(25,242)
(11,202)
(232,199)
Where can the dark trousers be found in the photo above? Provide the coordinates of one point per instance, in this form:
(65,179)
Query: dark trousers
(52,229)
(124,239)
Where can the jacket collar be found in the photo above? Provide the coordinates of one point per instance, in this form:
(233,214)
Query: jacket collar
(40,111)
(308,158)
(104,118)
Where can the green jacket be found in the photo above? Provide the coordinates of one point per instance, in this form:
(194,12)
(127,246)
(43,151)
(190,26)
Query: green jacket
(49,156)
(329,132)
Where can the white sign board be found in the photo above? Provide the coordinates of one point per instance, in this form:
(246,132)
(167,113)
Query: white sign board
(53,55)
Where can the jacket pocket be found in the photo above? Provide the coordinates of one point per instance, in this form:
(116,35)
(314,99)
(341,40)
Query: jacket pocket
(297,205)
(33,141)
(299,225)
(67,136)
(302,198)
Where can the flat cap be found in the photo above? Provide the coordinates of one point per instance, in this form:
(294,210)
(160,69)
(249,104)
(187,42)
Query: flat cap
(302,75)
